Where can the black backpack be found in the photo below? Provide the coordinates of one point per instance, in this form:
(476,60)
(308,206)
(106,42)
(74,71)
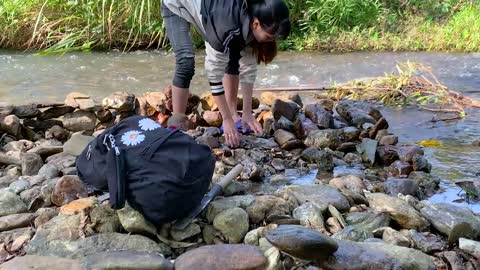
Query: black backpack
(162,173)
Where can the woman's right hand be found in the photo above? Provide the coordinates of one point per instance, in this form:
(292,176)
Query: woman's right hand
(232,136)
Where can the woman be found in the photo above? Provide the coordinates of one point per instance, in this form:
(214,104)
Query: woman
(238,35)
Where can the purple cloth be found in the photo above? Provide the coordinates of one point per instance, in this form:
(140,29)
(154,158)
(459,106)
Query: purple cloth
(238,124)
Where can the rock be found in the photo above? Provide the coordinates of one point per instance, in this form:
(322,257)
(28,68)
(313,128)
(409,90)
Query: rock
(394,237)
(217,206)
(406,153)
(80,121)
(266,206)
(285,124)
(120,101)
(319,115)
(310,216)
(41,262)
(368,221)
(222,257)
(191,230)
(368,149)
(471,247)
(11,125)
(5,108)
(357,113)
(134,222)
(212,142)
(31,163)
(48,171)
(380,125)
(303,126)
(123,260)
(273,257)
(453,221)
(286,140)
(67,189)
(10,203)
(208,102)
(400,211)
(352,158)
(80,101)
(425,181)
(233,224)
(77,206)
(26,111)
(353,233)
(57,132)
(339,162)
(387,154)
(268,98)
(212,118)
(287,109)
(16,221)
(427,242)
(42,125)
(351,133)
(18,186)
(43,216)
(302,243)
(278,164)
(321,195)
(420,163)
(76,144)
(105,219)
(46,150)
(322,158)
(96,244)
(323,139)
(389,140)
(405,186)
(400,168)
(55,112)
(351,182)
(368,255)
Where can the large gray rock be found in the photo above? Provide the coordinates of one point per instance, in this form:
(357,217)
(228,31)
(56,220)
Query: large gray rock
(368,150)
(400,211)
(127,260)
(376,256)
(218,206)
(26,111)
(33,262)
(76,144)
(10,203)
(286,109)
(191,230)
(302,243)
(80,121)
(265,206)
(134,222)
(222,257)
(357,113)
(105,219)
(351,182)
(452,220)
(322,158)
(470,246)
(61,227)
(31,163)
(16,221)
(368,221)
(351,133)
(233,224)
(95,244)
(405,186)
(394,237)
(19,186)
(321,195)
(323,138)
(353,233)
(310,215)
(427,242)
(55,112)
(48,171)
(319,115)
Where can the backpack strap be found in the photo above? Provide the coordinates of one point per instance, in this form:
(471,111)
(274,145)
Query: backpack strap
(115,173)
(149,151)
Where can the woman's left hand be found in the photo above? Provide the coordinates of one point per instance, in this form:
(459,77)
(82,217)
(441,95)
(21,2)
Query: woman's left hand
(248,119)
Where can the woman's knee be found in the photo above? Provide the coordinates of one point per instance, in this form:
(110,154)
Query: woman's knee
(185,69)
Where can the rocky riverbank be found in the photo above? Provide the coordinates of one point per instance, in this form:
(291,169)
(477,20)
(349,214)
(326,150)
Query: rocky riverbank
(365,209)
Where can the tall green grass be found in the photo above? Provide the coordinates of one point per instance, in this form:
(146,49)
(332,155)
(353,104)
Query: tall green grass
(58,26)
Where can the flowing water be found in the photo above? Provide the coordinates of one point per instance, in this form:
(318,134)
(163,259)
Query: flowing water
(25,77)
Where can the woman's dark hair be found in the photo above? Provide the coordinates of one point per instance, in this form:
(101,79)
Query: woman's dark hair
(274,18)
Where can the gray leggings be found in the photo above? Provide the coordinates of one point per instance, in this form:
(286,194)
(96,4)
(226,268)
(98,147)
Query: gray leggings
(178,32)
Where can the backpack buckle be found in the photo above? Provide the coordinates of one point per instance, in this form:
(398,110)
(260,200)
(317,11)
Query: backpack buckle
(89,152)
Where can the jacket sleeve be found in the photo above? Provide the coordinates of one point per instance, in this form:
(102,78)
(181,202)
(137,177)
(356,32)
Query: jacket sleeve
(248,66)
(215,65)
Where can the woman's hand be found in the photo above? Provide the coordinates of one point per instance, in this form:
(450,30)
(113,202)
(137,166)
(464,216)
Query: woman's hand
(232,136)
(249,120)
